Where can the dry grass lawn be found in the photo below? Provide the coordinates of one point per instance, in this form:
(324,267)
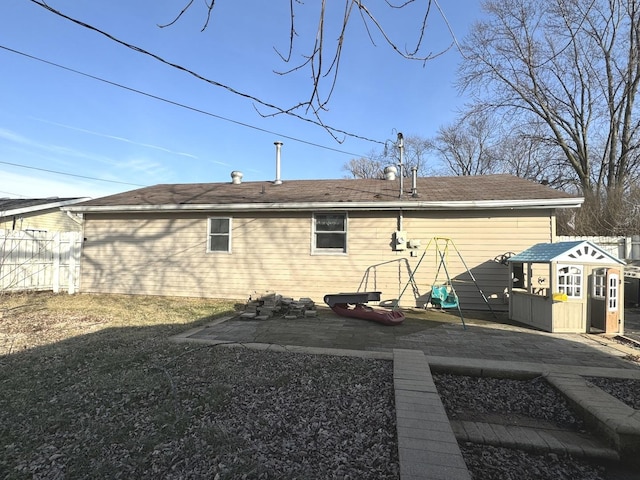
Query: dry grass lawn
(31,320)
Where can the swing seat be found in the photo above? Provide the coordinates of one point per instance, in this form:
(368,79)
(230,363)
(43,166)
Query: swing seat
(442,297)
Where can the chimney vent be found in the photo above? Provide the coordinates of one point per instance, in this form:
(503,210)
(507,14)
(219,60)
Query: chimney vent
(236,177)
(278,145)
(414,181)
(390,172)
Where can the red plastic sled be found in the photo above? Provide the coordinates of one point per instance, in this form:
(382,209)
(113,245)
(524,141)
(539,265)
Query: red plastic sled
(352,305)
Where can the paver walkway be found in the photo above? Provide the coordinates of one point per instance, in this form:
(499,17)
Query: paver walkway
(537,440)
(427,446)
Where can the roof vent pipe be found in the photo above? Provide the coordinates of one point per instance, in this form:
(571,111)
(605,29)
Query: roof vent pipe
(414,181)
(278,145)
(236,177)
(401,165)
(390,172)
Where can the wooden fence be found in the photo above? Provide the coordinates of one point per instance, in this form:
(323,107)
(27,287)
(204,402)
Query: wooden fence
(39,261)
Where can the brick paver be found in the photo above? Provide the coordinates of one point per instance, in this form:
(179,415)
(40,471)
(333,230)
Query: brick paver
(427,446)
(481,340)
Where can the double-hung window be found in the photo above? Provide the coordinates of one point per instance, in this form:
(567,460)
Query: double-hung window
(330,233)
(219,235)
(570,280)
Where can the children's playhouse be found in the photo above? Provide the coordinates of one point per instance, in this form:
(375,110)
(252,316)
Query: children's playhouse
(567,287)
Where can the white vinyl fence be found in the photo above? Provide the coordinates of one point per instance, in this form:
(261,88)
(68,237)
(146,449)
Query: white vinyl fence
(624,248)
(39,261)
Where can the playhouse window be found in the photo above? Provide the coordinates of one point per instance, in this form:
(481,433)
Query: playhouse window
(570,280)
(219,235)
(612,305)
(599,283)
(519,280)
(330,233)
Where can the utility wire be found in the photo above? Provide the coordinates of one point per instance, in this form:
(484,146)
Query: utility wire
(289,111)
(13,194)
(172,102)
(71,174)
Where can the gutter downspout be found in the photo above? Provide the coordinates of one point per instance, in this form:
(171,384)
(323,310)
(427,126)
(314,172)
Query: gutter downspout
(78,218)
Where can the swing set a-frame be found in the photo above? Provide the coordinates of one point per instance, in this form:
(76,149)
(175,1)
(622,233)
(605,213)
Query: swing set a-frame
(443,293)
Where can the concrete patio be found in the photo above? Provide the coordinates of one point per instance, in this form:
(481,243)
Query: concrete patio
(435,333)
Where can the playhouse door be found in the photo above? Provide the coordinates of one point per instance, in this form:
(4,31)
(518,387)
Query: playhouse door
(612,301)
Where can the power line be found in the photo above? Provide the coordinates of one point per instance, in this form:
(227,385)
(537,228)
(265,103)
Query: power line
(13,194)
(289,111)
(71,174)
(177,104)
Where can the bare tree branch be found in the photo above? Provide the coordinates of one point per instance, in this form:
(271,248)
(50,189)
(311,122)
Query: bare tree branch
(572,66)
(291,111)
(315,58)
(182,12)
(416,151)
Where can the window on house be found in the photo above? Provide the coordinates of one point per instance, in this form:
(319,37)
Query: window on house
(330,233)
(219,235)
(599,283)
(570,280)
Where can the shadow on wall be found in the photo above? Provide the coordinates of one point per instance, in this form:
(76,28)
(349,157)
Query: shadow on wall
(480,286)
(483,285)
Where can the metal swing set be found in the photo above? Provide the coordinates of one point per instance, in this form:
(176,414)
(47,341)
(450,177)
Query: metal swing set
(443,294)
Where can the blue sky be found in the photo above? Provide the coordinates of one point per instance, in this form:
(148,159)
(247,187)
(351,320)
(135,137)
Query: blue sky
(57,120)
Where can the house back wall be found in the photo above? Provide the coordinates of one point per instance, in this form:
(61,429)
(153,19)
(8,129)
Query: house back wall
(166,254)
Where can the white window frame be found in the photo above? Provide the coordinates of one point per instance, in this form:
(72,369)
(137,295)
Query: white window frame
(315,250)
(614,292)
(570,281)
(211,234)
(599,283)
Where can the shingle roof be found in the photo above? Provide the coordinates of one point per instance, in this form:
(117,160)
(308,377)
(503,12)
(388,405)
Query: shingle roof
(497,188)
(11,206)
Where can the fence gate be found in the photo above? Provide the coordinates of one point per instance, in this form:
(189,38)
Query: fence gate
(31,260)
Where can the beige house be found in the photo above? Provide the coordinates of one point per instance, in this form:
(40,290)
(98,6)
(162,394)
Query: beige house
(308,238)
(38,214)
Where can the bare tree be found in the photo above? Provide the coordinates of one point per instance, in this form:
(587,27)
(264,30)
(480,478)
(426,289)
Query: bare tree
(524,153)
(416,151)
(322,51)
(572,65)
(466,147)
(363,167)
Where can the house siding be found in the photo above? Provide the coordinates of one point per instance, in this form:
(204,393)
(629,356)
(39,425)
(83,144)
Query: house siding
(53,220)
(165,254)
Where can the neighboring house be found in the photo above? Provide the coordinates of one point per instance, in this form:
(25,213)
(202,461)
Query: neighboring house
(39,214)
(307,238)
